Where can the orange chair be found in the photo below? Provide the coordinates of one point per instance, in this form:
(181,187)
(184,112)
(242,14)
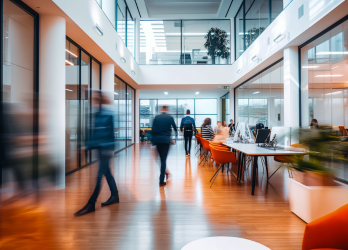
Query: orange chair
(206,152)
(287,159)
(222,157)
(329,232)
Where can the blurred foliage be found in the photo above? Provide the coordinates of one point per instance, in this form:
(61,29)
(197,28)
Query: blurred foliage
(324,146)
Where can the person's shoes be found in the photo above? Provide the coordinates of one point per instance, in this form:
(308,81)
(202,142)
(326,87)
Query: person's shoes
(89,208)
(163,184)
(111,200)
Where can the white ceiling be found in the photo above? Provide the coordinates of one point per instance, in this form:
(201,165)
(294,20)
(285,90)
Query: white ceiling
(183,9)
(186,91)
(179,7)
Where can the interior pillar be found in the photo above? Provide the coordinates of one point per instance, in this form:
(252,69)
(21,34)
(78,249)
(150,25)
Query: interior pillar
(291,88)
(52,93)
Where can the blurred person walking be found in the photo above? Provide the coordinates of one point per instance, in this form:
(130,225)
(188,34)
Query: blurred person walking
(188,126)
(218,127)
(161,137)
(102,139)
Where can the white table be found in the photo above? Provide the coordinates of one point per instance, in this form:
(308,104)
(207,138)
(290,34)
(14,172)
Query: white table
(255,151)
(224,243)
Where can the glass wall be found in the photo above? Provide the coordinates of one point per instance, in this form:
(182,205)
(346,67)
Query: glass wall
(200,109)
(184,42)
(82,74)
(324,82)
(122,20)
(18,85)
(124,96)
(252,18)
(225,107)
(261,98)
(324,78)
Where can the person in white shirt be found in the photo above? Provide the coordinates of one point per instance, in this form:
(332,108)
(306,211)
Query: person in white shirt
(218,128)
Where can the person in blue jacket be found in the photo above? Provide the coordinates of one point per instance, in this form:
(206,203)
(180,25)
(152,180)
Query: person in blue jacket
(161,137)
(188,126)
(103,140)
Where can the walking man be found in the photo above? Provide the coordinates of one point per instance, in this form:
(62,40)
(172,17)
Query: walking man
(188,126)
(102,139)
(161,133)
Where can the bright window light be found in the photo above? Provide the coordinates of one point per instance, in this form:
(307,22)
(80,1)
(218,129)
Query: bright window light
(166,93)
(328,75)
(310,67)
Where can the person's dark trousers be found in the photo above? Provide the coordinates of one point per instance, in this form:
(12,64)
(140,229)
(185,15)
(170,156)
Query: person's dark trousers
(104,169)
(188,140)
(163,149)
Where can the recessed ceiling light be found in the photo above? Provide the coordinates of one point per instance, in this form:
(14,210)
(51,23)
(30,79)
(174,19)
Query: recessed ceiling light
(279,38)
(254,58)
(328,75)
(99,30)
(239,71)
(333,93)
(68,89)
(197,93)
(133,72)
(333,53)
(256,92)
(115,93)
(68,62)
(123,60)
(70,53)
(166,93)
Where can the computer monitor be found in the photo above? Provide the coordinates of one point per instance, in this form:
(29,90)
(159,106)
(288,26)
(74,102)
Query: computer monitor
(262,135)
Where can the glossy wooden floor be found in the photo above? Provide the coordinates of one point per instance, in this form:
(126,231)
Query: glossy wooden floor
(150,217)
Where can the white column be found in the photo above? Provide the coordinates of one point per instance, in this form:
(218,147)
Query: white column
(108,81)
(52,91)
(137,115)
(304,92)
(291,87)
(137,40)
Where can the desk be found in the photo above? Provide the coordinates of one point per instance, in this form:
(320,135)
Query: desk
(256,151)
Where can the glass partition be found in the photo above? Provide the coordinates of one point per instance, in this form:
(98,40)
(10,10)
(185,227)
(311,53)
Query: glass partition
(160,42)
(252,18)
(324,89)
(82,74)
(123,114)
(184,42)
(199,108)
(120,17)
(261,98)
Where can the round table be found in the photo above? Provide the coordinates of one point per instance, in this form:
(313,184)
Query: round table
(224,243)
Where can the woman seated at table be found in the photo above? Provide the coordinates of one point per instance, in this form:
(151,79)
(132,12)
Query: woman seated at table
(221,135)
(207,131)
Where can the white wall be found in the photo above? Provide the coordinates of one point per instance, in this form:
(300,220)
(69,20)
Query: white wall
(86,14)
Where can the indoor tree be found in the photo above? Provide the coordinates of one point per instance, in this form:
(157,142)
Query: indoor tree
(217,44)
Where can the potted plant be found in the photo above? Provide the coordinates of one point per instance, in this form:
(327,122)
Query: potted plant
(251,35)
(217,44)
(313,192)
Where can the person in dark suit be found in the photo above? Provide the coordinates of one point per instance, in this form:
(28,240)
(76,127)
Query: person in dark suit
(188,126)
(103,140)
(161,133)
